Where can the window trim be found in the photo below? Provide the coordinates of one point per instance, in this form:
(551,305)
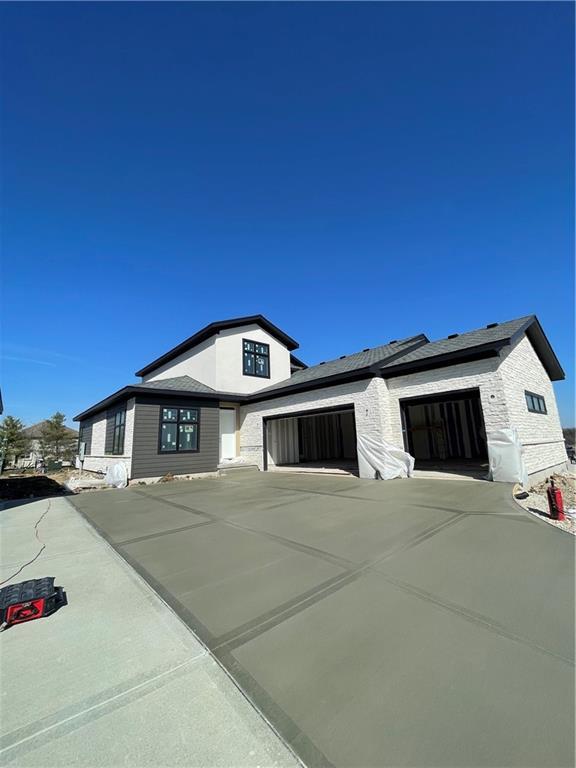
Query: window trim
(162,421)
(531,409)
(118,429)
(267,355)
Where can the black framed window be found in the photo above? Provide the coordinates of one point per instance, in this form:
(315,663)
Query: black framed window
(118,432)
(255,359)
(179,428)
(535,403)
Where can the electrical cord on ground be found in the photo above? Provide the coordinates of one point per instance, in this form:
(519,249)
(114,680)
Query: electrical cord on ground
(37,555)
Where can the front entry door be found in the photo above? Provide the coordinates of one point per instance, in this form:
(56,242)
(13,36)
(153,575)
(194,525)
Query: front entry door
(227,433)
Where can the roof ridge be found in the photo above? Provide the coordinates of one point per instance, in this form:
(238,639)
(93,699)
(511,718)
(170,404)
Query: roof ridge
(489,326)
(398,342)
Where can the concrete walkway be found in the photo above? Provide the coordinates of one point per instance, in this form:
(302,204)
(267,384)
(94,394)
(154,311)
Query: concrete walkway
(114,678)
(401,623)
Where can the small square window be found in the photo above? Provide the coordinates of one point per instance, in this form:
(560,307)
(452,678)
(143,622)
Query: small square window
(535,403)
(179,430)
(256,359)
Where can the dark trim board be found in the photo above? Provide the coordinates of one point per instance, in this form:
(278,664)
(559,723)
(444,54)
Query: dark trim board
(445,361)
(211,330)
(140,392)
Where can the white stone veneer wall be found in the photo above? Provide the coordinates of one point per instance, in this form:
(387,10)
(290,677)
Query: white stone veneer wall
(366,395)
(541,434)
(502,381)
(97,460)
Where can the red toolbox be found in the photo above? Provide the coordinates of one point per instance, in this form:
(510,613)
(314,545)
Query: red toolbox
(29,600)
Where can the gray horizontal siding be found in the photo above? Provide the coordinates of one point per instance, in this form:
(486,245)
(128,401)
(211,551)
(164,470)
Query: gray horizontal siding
(86,425)
(147,461)
(109,430)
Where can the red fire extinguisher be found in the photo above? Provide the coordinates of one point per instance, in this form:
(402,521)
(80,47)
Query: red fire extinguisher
(555,502)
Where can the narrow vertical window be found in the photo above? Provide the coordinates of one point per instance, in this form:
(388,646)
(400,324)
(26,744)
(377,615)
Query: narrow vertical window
(118,433)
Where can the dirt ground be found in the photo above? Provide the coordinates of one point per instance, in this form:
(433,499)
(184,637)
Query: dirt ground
(537,502)
(30,485)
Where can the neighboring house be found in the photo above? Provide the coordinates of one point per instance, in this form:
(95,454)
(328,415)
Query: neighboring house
(235,389)
(34,433)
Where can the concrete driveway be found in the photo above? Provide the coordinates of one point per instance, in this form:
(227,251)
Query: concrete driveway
(402,623)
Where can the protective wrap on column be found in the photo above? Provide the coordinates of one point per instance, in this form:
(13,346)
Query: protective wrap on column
(378,459)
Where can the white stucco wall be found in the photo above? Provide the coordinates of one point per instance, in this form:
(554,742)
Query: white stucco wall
(541,434)
(217,362)
(229,352)
(367,396)
(97,460)
(199,363)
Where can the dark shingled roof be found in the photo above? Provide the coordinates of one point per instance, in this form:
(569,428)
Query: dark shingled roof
(178,384)
(465,341)
(393,359)
(348,363)
(481,342)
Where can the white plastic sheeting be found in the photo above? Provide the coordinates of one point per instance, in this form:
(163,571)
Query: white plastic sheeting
(505,457)
(117,475)
(379,459)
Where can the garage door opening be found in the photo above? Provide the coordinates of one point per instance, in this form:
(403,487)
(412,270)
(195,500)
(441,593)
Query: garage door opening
(322,441)
(446,432)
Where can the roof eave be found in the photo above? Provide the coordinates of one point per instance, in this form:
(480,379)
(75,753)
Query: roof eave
(138,391)
(327,381)
(542,347)
(444,360)
(366,372)
(211,330)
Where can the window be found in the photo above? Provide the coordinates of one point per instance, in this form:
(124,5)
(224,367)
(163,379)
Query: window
(118,432)
(179,430)
(256,359)
(535,403)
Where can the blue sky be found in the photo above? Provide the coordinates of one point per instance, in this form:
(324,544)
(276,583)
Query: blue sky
(356,172)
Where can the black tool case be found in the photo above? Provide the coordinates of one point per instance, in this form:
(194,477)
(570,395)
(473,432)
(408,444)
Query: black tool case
(29,600)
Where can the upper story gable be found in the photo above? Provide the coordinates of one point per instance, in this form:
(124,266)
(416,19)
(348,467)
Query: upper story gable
(241,355)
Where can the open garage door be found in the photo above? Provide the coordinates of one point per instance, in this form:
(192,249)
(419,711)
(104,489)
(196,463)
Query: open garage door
(445,430)
(323,440)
